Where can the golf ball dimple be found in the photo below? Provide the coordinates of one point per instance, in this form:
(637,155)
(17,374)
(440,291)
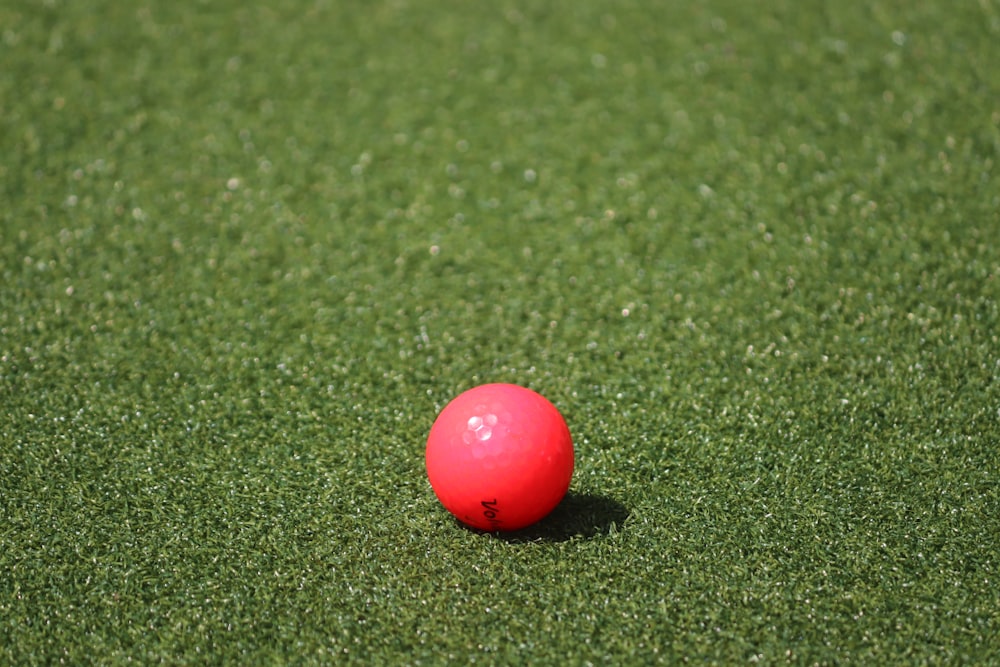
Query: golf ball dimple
(499,457)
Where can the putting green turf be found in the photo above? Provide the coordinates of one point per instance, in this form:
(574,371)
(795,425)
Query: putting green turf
(751,252)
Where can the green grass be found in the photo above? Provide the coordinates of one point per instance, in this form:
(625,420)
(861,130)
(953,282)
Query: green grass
(751,252)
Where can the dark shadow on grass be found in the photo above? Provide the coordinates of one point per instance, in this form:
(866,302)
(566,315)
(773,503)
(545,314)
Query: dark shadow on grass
(583,515)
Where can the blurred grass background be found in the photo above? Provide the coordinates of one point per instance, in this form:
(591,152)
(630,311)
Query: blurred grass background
(247,253)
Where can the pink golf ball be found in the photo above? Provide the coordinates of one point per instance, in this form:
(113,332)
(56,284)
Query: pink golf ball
(499,457)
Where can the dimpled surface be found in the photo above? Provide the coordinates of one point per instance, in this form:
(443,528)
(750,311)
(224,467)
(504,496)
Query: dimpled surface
(499,457)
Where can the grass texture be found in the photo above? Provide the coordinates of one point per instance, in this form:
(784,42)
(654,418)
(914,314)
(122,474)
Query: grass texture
(751,251)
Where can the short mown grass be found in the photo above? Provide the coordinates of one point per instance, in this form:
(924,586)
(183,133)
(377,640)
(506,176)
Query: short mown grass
(246,255)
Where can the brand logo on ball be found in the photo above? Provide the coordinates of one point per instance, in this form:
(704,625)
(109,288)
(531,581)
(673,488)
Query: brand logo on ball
(491,511)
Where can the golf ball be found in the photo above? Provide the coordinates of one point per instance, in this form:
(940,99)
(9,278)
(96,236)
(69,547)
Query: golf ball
(499,457)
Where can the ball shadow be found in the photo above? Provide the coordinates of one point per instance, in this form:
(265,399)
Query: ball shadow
(579,515)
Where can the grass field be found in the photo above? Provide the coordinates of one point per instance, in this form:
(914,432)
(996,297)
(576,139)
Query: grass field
(751,251)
